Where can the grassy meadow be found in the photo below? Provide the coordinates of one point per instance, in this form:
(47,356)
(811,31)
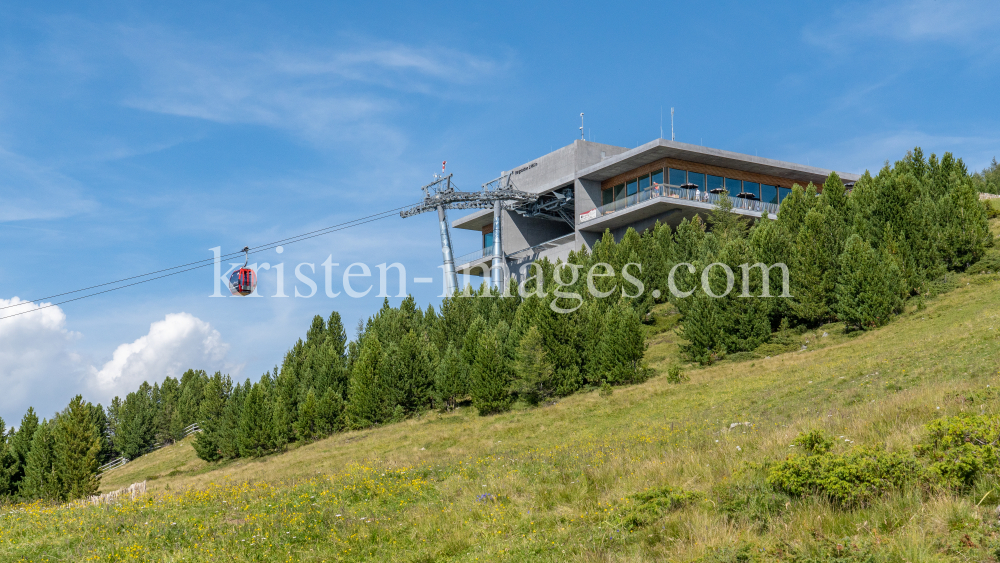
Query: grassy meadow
(559,482)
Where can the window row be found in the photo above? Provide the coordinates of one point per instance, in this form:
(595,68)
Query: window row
(703,182)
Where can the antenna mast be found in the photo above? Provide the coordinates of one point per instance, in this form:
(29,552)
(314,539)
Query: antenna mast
(581,126)
(671,124)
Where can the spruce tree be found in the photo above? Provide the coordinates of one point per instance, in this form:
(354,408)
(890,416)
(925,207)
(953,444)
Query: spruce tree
(135,431)
(490,374)
(77,445)
(814,274)
(365,396)
(6,461)
(229,428)
(532,370)
(41,480)
(256,435)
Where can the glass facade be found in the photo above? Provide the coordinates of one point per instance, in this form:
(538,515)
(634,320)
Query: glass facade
(634,190)
(734,187)
(768,193)
(714,183)
(678,177)
(488,240)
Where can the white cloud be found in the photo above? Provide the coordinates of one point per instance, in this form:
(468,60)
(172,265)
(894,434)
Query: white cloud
(179,342)
(37,366)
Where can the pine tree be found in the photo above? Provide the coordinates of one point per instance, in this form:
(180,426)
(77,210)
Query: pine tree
(6,461)
(210,420)
(20,446)
(135,430)
(450,379)
(232,414)
(77,445)
(532,370)
(868,290)
(490,374)
(814,274)
(256,436)
(365,396)
(331,411)
(283,422)
(309,425)
(41,480)
(620,351)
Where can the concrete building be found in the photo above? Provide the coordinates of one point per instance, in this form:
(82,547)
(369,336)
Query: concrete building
(587,188)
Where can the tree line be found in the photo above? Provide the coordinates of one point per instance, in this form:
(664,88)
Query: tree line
(854,256)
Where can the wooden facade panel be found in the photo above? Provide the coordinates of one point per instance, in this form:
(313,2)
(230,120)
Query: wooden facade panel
(702,169)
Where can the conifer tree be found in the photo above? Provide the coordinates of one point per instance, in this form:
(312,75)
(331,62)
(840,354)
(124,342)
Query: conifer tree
(41,480)
(229,428)
(450,382)
(331,411)
(135,429)
(619,354)
(210,420)
(813,276)
(256,436)
(532,370)
(490,374)
(283,422)
(6,461)
(20,446)
(308,426)
(868,290)
(364,401)
(77,446)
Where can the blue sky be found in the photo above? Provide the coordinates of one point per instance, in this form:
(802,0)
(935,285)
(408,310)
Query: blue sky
(135,136)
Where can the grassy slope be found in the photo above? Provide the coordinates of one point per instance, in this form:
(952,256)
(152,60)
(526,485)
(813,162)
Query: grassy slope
(557,479)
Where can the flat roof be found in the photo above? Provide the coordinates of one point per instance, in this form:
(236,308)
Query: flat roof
(662,148)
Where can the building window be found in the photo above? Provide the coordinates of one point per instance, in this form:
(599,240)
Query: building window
(752,187)
(768,193)
(619,196)
(783,193)
(487,240)
(644,183)
(657,177)
(697,179)
(631,187)
(678,177)
(607,196)
(734,187)
(714,184)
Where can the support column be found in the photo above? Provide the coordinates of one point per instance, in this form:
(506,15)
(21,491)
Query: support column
(498,272)
(450,279)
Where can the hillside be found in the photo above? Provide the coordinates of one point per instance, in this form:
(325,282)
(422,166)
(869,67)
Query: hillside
(558,482)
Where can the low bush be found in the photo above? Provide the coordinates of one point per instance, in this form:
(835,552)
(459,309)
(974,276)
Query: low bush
(814,442)
(959,449)
(675,375)
(852,479)
(653,505)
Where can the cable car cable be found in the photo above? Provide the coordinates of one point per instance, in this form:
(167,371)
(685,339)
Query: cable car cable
(202,263)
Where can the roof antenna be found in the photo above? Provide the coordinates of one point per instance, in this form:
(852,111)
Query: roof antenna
(671,124)
(581,126)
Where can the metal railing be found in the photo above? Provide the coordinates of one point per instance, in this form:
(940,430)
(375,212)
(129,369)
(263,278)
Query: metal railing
(668,191)
(486,252)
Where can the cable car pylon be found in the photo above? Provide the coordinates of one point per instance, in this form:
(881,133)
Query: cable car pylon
(499,194)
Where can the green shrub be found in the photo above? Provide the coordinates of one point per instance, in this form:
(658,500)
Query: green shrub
(814,442)
(675,375)
(606,389)
(750,501)
(652,505)
(849,480)
(959,449)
